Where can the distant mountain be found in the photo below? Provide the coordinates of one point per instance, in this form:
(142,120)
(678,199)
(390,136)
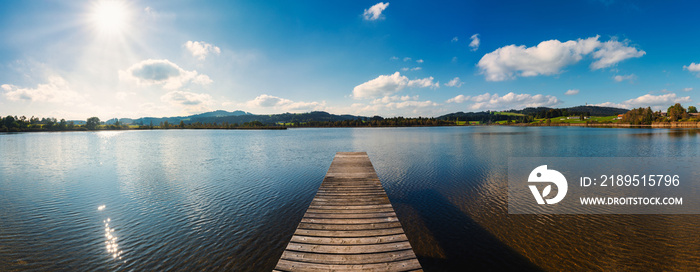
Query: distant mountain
(281,118)
(220,113)
(239,117)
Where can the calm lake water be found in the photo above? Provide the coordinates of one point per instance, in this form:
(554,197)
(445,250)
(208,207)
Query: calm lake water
(213,199)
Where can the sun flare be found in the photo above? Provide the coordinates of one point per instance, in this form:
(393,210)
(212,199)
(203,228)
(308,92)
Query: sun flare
(110,17)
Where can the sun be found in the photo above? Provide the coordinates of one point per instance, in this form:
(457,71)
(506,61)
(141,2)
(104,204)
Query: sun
(110,17)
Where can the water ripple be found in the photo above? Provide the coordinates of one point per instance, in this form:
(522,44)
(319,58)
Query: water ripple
(230,200)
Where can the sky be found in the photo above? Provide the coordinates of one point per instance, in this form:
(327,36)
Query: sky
(130,59)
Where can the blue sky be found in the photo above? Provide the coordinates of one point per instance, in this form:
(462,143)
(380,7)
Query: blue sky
(113,58)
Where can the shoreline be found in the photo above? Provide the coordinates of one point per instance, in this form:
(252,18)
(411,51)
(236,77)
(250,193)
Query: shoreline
(619,125)
(688,125)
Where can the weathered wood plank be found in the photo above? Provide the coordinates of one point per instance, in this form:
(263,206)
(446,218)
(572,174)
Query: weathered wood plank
(348,258)
(387,225)
(350,225)
(349,240)
(352,249)
(353,207)
(352,198)
(404,265)
(346,221)
(350,215)
(357,211)
(352,186)
(349,233)
(349,202)
(361,200)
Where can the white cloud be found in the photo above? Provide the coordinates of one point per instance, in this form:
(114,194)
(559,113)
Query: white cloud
(406,59)
(385,85)
(571,92)
(396,105)
(656,102)
(620,78)
(375,12)
(55,91)
(389,99)
(455,82)
(550,57)
(459,99)
(399,102)
(511,100)
(419,61)
(188,102)
(269,101)
(411,69)
(455,39)
(394,58)
(693,67)
(612,52)
(162,72)
(687,89)
(474,44)
(201,49)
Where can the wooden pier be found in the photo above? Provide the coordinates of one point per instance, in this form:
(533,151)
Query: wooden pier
(350,225)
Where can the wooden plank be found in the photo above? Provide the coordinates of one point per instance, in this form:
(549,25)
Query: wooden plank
(352,198)
(365,190)
(331,179)
(348,215)
(341,194)
(347,221)
(349,240)
(404,265)
(349,202)
(350,225)
(358,211)
(350,233)
(387,225)
(348,258)
(337,185)
(353,207)
(352,249)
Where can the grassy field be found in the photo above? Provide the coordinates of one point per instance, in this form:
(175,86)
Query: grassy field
(508,113)
(578,121)
(462,123)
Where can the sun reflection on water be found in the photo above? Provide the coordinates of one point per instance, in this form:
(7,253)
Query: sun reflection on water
(111,241)
(108,134)
(110,238)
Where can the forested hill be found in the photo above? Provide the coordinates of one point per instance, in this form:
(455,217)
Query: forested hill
(591,110)
(529,114)
(240,117)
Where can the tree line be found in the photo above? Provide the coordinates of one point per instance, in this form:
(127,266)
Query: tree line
(645,116)
(19,124)
(638,116)
(22,124)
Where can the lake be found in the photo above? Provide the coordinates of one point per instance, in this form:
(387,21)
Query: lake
(198,200)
